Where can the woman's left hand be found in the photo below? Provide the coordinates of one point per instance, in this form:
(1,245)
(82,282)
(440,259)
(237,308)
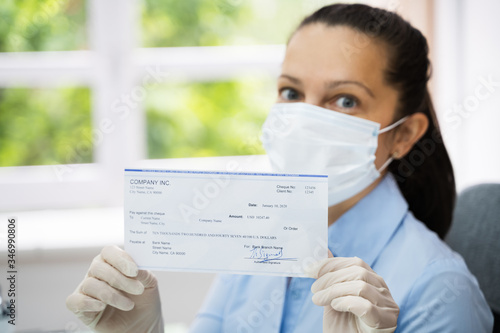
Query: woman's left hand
(354,297)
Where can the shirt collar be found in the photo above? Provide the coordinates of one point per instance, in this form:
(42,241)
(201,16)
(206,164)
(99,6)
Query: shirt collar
(364,230)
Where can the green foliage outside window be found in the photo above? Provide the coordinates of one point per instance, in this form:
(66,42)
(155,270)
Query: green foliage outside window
(208,119)
(42,25)
(213,118)
(221,22)
(45,126)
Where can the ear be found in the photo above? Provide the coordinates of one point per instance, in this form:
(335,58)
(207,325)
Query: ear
(409,133)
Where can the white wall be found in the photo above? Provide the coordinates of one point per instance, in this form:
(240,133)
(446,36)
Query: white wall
(47,277)
(467,54)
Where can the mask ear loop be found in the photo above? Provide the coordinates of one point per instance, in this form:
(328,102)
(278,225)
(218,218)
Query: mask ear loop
(396,154)
(389,161)
(396,124)
(386,164)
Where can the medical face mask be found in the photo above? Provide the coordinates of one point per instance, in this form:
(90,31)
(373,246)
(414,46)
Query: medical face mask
(307,139)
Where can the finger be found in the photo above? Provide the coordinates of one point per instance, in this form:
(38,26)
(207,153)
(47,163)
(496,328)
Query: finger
(338,263)
(377,296)
(313,269)
(82,303)
(147,279)
(120,259)
(352,273)
(107,273)
(324,266)
(84,307)
(104,292)
(372,315)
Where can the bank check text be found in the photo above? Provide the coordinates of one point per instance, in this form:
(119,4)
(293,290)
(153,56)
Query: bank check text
(245,223)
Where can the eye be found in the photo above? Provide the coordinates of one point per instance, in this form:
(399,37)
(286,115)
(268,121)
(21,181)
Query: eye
(289,94)
(346,102)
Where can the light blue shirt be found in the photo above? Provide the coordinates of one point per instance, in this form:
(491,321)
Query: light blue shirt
(430,283)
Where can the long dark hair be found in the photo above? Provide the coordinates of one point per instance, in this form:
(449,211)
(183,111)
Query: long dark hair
(424,175)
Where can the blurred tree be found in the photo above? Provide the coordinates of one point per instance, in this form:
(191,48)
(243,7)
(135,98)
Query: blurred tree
(48,126)
(42,25)
(45,126)
(213,118)
(220,22)
(208,119)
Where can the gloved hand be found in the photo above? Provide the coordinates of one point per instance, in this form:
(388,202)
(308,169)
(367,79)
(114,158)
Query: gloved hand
(354,297)
(115,296)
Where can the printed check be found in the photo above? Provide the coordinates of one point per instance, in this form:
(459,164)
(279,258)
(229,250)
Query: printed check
(227,222)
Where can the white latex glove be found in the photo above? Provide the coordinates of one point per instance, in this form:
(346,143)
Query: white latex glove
(354,297)
(115,296)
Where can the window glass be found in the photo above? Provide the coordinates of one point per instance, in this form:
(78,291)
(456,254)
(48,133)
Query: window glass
(42,25)
(45,126)
(209,118)
(221,22)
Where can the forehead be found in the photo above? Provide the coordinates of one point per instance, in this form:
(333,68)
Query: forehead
(325,53)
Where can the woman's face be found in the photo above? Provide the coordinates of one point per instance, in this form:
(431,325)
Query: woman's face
(340,69)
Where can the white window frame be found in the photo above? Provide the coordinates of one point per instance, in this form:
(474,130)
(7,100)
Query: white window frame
(113,68)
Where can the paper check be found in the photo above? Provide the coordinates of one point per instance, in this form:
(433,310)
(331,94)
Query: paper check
(229,222)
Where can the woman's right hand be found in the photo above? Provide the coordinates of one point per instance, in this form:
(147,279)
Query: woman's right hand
(115,296)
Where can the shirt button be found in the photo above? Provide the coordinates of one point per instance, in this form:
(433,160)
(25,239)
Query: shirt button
(295,294)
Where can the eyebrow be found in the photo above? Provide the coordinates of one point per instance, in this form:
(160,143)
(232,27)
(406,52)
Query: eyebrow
(332,84)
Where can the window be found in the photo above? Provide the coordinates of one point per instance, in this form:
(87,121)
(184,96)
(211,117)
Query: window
(174,23)
(207,118)
(46,25)
(45,126)
(80,100)
(82,95)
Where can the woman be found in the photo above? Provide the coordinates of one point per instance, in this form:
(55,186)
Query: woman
(391,195)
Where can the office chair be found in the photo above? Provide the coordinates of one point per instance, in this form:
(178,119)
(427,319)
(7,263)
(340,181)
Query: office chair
(475,234)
